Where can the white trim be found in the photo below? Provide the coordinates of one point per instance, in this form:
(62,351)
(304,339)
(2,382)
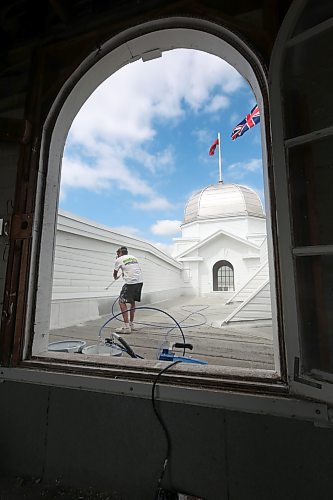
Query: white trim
(246,257)
(287,278)
(215,235)
(191,259)
(232,218)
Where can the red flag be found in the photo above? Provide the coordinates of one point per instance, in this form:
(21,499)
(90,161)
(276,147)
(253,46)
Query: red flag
(213,147)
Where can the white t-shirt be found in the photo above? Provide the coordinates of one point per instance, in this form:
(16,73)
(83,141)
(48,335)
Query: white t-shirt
(130,268)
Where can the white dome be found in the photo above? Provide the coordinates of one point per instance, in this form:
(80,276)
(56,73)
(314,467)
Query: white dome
(223,200)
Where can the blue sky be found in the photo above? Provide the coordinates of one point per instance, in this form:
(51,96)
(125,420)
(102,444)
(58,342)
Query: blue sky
(138,148)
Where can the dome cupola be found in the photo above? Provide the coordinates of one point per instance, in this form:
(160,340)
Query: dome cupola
(223,200)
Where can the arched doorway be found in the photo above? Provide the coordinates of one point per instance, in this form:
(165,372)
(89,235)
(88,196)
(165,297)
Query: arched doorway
(223,277)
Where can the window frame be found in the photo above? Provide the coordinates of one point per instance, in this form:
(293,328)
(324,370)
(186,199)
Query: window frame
(45,219)
(316,385)
(224,264)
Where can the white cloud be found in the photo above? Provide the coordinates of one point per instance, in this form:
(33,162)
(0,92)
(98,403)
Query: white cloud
(75,173)
(166,227)
(102,178)
(162,162)
(155,203)
(240,169)
(108,143)
(124,107)
(218,102)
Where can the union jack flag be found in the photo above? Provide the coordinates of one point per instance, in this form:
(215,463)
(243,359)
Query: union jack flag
(249,121)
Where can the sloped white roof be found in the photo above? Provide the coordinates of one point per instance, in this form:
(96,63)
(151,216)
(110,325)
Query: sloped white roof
(220,232)
(223,200)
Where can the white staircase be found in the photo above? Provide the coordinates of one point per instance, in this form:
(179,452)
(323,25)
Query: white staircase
(250,286)
(257,306)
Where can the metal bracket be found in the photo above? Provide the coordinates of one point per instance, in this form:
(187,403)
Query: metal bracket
(16,227)
(300,379)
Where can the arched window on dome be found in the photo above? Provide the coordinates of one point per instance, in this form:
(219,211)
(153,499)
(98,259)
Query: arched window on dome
(223,276)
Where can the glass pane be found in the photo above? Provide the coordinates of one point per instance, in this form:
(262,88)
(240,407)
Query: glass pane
(225,278)
(314,13)
(310,184)
(315,291)
(307,85)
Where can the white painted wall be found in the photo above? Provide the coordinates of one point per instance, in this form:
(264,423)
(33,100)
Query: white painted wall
(224,248)
(246,259)
(251,228)
(201,261)
(83,267)
(182,244)
(240,226)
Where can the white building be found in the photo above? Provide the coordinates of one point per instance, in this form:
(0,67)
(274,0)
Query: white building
(83,268)
(222,251)
(223,241)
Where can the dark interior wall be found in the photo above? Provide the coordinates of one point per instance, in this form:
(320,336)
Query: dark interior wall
(9,155)
(115,443)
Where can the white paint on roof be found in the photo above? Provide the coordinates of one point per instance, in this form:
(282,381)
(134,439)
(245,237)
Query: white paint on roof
(223,200)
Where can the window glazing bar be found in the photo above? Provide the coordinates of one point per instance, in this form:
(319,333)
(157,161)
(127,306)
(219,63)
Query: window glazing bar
(311,32)
(310,137)
(313,250)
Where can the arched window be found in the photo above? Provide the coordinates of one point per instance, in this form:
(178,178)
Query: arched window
(92,72)
(223,276)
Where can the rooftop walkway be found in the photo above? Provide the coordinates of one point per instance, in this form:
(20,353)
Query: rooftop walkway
(248,345)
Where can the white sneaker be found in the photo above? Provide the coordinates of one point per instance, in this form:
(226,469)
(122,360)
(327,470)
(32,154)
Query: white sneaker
(124,329)
(132,327)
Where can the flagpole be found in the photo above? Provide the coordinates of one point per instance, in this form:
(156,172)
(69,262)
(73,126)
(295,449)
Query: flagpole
(220,157)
